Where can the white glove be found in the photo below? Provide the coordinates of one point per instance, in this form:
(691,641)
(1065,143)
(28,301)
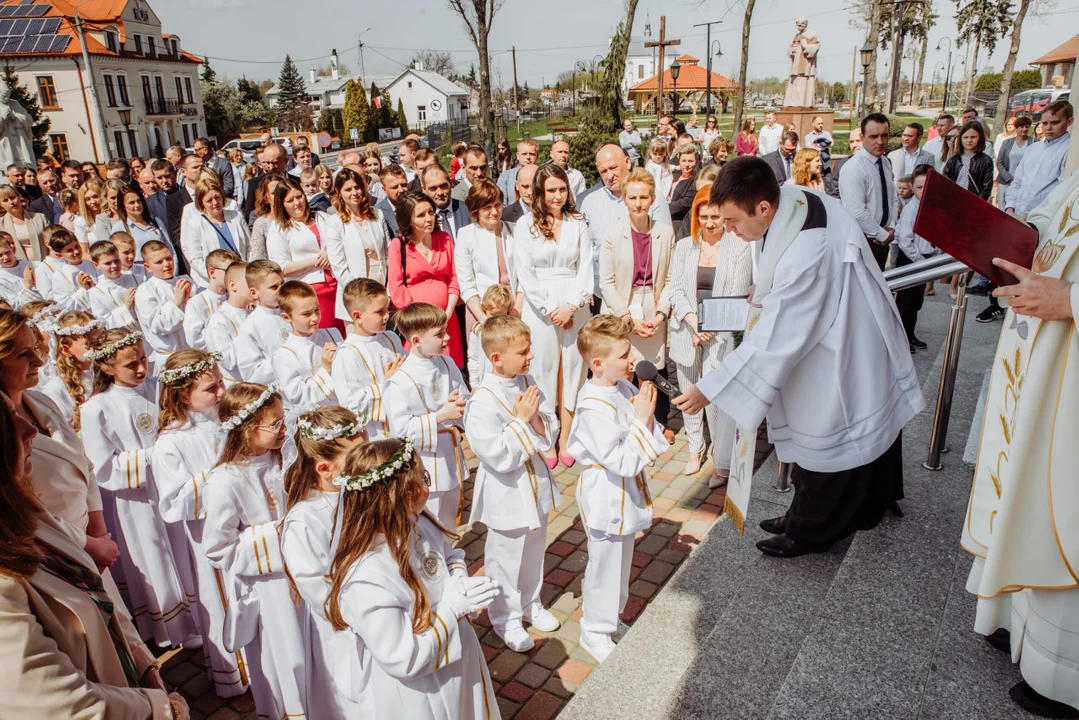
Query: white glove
(469,595)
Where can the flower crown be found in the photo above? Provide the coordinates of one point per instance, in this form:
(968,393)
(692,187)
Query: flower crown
(107,351)
(250,408)
(78,329)
(43,318)
(314,432)
(400,459)
(175,375)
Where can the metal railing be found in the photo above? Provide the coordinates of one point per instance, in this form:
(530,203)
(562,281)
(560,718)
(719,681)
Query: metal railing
(164,106)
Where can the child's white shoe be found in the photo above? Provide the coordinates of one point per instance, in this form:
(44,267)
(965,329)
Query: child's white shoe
(517,638)
(542,619)
(597,645)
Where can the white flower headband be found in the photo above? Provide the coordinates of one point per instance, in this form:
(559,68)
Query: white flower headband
(43,318)
(388,469)
(249,409)
(78,329)
(104,353)
(313,432)
(175,375)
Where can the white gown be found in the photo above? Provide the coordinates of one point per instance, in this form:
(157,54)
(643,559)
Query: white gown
(439,674)
(414,395)
(182,459)
(57,281)
(107,302)
(161,318)
(244,504)
(222,330)
(359,377)
(12,287)
(305,384)
(119,427)
(198,311)
(57,391)
(262,332)
(552,274)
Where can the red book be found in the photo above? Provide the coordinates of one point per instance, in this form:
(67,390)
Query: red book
(971,230)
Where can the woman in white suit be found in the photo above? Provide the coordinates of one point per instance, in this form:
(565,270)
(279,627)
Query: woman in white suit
(481,252)
(708,263)
(357,247)
(211,227)
(552,263)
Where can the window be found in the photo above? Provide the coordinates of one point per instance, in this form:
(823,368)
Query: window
(119,137)
(179,89)
(640,72)
(132,142)
(175,47)
(152,46)
(187,86)
(421,113)
(110,91)
(159,86)
(46,93)
(111,41)
(138,44)
(121,85)
(58,141)
(147,97)
(187,135)
(410,84)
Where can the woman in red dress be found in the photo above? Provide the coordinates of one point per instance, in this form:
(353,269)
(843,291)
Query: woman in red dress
(420,265)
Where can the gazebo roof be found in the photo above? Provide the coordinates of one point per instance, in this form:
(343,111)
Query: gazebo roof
(691,77)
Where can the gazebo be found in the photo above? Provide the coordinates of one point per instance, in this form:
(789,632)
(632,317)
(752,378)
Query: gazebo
(692,86)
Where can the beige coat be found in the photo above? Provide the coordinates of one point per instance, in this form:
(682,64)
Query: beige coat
(57,659)
(616,267)
(35,225)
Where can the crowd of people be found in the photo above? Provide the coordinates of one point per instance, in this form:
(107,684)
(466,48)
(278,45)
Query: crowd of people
(237,397)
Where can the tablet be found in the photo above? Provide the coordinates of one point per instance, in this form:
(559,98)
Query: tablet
(723,314)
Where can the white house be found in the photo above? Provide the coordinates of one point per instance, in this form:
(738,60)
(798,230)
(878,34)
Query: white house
(641,62)
(142,75)
(328,91)
(428,98)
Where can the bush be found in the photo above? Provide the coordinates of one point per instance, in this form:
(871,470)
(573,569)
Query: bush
(594,129)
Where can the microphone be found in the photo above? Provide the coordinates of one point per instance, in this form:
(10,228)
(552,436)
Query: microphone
(647,371)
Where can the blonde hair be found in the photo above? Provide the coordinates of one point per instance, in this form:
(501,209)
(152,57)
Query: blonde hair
(658,148)
(308,174)
(97,186)
(259,270)
(497,300)
(640,176)
(174,408)
(67,367)
(418,318)
(204,187)
(598,336)
(498,331)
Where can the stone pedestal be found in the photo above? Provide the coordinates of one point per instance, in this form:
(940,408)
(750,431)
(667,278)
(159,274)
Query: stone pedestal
(802,119)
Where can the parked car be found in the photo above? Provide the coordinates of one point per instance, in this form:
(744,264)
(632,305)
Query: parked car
(1031,102)
(247,147)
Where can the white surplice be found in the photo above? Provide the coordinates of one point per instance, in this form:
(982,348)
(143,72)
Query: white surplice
(13,288)
(414,394)
(196,314)
(221,334)
(359,377)
(161,318)
(478,364)
(57,280)
(439,674)
(262,332)
(119,427)
(297,364)
(107,302)
(57,391)
(182,460)
(244,505)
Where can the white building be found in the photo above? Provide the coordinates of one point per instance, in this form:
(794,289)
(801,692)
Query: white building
(429,98)
(641,62)
(139,71)
(327,92)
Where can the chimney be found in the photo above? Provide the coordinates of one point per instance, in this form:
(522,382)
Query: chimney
(311,76)
(334,70)
(419,65)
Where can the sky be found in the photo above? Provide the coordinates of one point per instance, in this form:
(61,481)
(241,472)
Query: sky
(251,37)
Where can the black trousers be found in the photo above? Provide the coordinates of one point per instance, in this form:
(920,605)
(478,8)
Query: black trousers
(908,301)
(828,507)
(880,253)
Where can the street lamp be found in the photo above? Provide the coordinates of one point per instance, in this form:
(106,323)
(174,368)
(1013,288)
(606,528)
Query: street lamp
(947,73)
(962,63)
(867,56)
(708,80)
(584,68)
(125,120)
(601,59)
(676,69)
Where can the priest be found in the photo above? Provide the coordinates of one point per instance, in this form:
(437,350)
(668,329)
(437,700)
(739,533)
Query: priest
(825,359)
(1022,521)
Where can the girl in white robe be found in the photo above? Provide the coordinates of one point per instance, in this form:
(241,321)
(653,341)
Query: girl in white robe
(187,447)
(73,383)
(403,592)
(119,428)
(323,438)
(245,502)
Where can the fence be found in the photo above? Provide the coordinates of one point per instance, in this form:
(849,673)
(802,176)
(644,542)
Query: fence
(442,135)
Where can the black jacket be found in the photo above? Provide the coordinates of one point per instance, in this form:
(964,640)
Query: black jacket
(981,173)
(174,212)
(682,198)
(47,206)
(775,161)
(515,211)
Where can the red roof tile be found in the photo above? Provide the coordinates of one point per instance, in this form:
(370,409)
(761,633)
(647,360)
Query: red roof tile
(1067,51)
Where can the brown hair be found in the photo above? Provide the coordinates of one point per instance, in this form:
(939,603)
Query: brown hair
(102,248)
(67,368)
(279,213)
(360,291)
(11,322)
(102,380)
(382,511)
(977,127)
(6,239)
(300,478)
(19,552)
(238,442)
(418,318)
(291,291)
(121,208)
(483,192)
(405,206)
(541,215)
(174,408)
(205,186)
(599,334)
(152,246)
(257,270)
(366,212)
(263,198)
(60,239)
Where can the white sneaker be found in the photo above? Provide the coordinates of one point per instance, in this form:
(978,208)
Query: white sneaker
(517,638)
(596,645)
(192,642)
(542,619)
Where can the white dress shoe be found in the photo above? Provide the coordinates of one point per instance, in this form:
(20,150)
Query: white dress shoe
(517,639)
(542,619)
(597,645)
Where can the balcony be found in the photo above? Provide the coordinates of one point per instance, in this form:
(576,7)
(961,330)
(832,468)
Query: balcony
(164,106)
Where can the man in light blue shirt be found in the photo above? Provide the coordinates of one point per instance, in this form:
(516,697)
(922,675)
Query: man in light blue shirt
(527,154)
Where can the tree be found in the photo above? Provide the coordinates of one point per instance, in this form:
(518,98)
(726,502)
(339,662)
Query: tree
(477,16)
(249,90)
(373,115)
(740,97)
(356,113)
(19,93)
(293,109)
(387,117)
(327,70)
(611,99)
(839,92)
(402,119)
(436,61)
(1007,75)
(869,92)
(221,105)
(208,74)
(982,22)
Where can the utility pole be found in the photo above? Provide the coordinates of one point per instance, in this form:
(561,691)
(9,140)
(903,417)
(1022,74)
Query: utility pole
(853,86)
(663,44)
(363,73)
(708,77)
(91,91)
(516,104)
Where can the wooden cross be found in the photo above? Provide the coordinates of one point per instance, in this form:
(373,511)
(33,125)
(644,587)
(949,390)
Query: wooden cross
(662,45)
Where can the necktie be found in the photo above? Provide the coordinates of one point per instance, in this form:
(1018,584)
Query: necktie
(787,166)
(883,193)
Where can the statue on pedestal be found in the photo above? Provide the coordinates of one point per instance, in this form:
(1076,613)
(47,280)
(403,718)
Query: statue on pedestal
(16,131)
(802,83)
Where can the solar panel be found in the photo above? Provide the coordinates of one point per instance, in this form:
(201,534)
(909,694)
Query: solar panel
(35,26)
(11,44)
(27,45)
(6,10)
(51,26)
(42,42)
(5,26)
(18,27)
(59,43)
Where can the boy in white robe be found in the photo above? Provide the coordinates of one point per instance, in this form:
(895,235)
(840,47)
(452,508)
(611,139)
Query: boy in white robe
(112,299)
(497,300)
(264,330)
(17,280)
(160,302)
(302,365)
(615,437)
(425,400)
(202,306)
(64,276)
(369,357)
(911,248)
(125,245)
(509,424)
(223,327)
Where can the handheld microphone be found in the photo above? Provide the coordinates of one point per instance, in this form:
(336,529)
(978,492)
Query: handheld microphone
(648,371)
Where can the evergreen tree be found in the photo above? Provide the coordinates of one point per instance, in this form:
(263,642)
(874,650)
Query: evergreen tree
(208,74)
(293,110)
(355,113)
(402,119)
(249,90)
(387,118)
(28,100)
(374,115)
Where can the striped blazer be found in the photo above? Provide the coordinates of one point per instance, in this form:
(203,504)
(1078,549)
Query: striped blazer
(735,272)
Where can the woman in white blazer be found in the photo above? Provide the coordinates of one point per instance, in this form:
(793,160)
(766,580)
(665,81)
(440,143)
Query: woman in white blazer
(298,240)
(708,263)
(357,246)
(211,227)
(481,253)
(67,648)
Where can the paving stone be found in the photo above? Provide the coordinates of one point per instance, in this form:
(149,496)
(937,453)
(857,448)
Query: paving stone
(208,704)
(652,544)
(181,673)
(573,670)
(697,528)
(643,588)
(558,686)
(198,685)
(489,653)
(474,550)
(572,512)
(570,631)
(581,655)
(664,476)
(517,692)
(243,704)
(542,706)
(574,537)
(657,572)
(558,526)
(559,578)
(641,559)
(689,503)
(552,653)
(672,493)
(671,557)
(683,482)
(507,708)
(550,561)
(566,603)
(222,714)
(678,515)
(634,606)
(560,548)
(663,502)
(507,665)
(533,675)
(665,529)
(576,562)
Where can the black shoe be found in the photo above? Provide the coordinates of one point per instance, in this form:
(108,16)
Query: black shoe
(1036,704)
(991,313)
(894,508)
(913,349)
(1001,640)
(918,343)
(982,290)
(776,525)
(783,547)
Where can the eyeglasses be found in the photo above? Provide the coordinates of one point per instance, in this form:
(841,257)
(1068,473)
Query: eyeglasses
(272,427)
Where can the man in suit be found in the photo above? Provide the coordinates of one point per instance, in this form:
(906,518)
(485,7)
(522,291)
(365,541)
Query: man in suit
(219,165)
(527,154)
(274,159)
(174,205)
(146,182)
(16,177)
(71,176)
(523,187)
(475,167)
(910,156)
(406,151)
(175,154)
(831,180)
(164,178)
(782,160)
(395,184)
(49,203)
(452,214)
(424,159)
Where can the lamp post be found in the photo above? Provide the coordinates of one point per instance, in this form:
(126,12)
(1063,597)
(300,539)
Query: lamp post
(583,70)
(866,55)
(601,58)
(936,73)
(676,69)
(708,54)
(947,73)
(125,120)
(962,63)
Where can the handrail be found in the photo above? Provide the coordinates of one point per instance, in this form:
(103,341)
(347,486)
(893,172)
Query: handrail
(929,262)
(926,270)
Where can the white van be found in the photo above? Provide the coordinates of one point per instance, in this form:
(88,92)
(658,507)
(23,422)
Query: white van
(249,146)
